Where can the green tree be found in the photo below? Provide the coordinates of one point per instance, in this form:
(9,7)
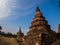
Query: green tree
(0,28)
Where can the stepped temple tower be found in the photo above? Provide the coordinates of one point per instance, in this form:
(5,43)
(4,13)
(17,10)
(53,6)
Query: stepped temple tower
(39,33)
(19,34)
(39,23)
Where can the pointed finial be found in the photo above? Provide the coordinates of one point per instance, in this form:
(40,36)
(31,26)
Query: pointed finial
(37,8)
(19,29)
(38,12)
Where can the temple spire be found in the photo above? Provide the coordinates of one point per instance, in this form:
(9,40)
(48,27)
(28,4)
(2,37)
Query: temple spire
(39,22)
(19,30)
(19,33)
(38,12)
(37,8)
(20,36)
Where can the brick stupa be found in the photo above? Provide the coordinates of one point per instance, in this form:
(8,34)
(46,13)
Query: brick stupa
(39,32)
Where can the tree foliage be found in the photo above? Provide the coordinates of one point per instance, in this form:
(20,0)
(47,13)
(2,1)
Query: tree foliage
(0,28)
(7,34)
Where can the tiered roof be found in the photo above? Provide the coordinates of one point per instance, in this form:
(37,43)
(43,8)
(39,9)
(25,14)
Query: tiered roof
(39,21)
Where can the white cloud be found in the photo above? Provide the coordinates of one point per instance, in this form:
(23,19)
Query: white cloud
(5,8)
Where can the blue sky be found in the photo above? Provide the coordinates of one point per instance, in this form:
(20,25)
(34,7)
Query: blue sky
(19,13)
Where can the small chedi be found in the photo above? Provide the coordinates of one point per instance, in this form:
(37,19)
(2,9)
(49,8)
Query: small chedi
(40,32)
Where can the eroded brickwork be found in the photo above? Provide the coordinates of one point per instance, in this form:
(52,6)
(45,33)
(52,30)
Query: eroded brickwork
(39,32)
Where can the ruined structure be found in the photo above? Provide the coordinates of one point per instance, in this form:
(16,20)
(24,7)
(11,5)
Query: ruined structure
(39,32)
(20,36)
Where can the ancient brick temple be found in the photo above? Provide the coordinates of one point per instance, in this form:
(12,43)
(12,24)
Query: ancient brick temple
(39,33)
